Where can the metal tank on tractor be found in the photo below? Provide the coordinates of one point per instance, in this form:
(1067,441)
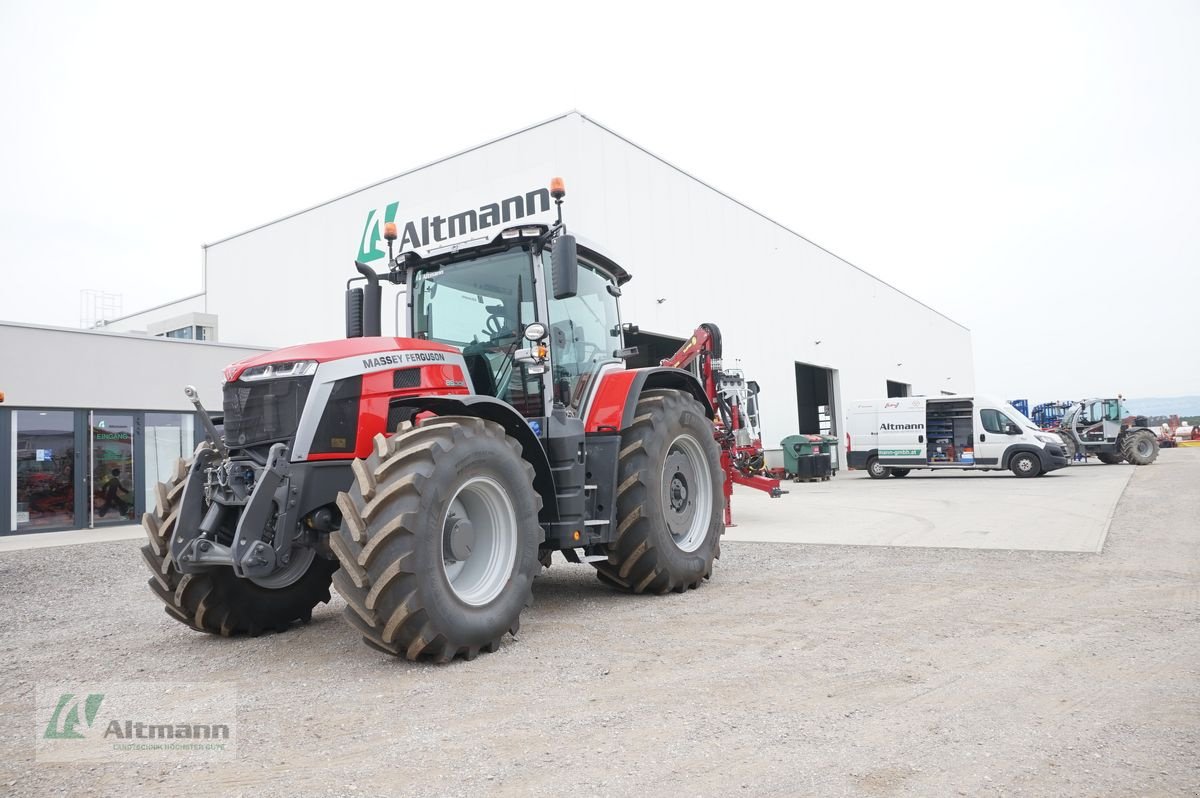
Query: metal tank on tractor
(428,478)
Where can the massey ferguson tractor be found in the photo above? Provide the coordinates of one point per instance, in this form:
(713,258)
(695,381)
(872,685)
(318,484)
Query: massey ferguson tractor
(430,477)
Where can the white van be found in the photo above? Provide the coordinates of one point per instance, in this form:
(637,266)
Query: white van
(890,437)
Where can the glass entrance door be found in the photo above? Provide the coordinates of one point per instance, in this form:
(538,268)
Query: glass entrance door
(112,477)
(43,469)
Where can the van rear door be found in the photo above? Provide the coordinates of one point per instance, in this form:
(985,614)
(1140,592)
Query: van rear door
(902,432)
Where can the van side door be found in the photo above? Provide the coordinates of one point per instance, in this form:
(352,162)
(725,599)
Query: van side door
(902,432)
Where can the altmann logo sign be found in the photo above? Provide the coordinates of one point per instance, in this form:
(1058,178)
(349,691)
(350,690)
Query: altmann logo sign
(429,230)
(897,427)
(139,720)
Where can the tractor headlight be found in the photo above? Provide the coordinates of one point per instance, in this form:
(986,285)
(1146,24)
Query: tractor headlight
(271,371)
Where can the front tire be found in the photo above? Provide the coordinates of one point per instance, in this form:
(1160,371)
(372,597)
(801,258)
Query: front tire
(1024,464)
(218,601)
(439,540)
(1110,459)
(669,499)
(900,472)
(1069,446)
(877,470)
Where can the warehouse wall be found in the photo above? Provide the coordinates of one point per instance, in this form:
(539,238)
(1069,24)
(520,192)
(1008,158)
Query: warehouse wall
(773,294)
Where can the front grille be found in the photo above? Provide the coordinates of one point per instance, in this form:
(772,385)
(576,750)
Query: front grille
(264,412)
(406,378)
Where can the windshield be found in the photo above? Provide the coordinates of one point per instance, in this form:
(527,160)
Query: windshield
(480,306)
(1021,418)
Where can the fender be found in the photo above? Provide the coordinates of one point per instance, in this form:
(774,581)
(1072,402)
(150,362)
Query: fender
(1014,448)
(856,459)
(617,395)
(492,409)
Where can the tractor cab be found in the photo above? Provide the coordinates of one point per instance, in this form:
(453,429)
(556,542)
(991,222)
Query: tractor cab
(1095,419)
(534,314)
(522,343)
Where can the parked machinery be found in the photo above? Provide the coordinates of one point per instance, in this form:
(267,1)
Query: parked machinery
(735,422)
(1049,415)
(1095,426)
(427,477)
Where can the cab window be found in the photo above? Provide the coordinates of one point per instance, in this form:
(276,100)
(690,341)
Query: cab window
(585,330)
(994,421)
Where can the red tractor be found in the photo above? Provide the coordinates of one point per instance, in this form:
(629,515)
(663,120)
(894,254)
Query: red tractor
(430,477)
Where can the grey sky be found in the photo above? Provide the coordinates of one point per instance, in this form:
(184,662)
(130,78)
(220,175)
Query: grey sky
(1030,169)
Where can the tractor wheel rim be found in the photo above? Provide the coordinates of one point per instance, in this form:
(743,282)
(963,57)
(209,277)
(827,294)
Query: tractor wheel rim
(479,541)
(301,558)
(1144,448)
(687,497)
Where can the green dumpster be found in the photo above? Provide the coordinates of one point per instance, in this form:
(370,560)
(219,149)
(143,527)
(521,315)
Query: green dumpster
(829,446)
(797,446)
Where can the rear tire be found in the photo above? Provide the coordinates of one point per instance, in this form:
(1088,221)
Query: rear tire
(1024,464)
(217,601)
(439,540)
(669,498)
(1140,447)
(1110,459)
(876,469)
(900,472)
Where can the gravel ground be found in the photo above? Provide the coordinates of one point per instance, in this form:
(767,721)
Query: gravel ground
(818,670)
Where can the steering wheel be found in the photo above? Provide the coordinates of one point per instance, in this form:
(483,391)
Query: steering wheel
(495,326)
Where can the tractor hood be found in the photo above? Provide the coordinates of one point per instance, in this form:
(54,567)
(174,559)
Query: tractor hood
(337,350)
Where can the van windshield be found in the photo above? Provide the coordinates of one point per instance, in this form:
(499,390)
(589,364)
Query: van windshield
(1013,412)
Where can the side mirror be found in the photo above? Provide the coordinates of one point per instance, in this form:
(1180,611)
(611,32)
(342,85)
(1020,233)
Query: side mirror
(1012,429)
(564,267)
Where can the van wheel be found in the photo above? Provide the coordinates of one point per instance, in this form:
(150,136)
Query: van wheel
(1024,464)
(876,469)
(900,472)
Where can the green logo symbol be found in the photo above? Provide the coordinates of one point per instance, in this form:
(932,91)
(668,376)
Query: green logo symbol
(65,729)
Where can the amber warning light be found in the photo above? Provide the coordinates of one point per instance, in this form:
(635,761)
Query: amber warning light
(389,231)
(558,189)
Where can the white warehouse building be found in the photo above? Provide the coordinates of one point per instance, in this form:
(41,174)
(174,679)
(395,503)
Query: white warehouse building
(654,220)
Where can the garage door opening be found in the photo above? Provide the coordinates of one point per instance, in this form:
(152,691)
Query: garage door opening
(815,404)
(653,348)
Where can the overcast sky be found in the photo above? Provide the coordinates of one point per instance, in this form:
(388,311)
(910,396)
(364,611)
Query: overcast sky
(1032,170)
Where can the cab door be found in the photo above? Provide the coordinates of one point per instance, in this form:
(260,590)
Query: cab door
(902,438)
(993,437)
